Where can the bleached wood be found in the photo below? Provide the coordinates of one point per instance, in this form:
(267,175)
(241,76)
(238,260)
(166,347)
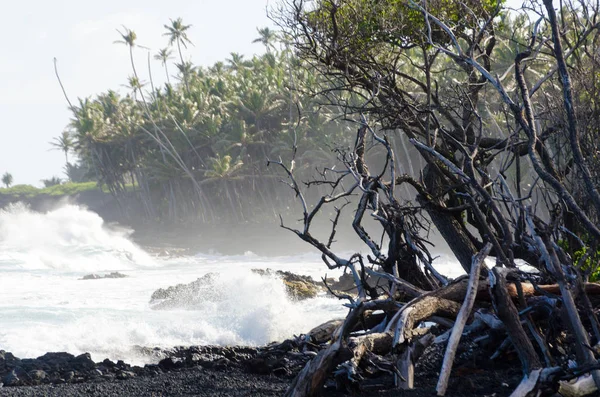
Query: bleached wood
(582,386)
(461,319)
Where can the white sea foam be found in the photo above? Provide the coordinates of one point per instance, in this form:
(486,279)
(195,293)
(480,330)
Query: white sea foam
(68,238)
(45,307)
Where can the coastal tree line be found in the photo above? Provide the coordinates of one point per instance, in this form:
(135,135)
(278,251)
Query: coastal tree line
(195,149)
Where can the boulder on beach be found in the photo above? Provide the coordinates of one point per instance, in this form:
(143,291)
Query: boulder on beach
(189,295)
(298,287)
(108,275)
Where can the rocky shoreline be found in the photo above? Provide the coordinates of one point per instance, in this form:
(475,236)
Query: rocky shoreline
(66,374)
(190,295)
(229,371)
(188,381)
(56,372)
(65,368)
(238,370)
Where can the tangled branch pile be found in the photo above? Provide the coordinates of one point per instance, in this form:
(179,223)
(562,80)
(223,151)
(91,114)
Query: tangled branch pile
(502,166)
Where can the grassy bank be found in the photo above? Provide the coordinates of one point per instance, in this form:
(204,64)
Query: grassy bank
(66,189)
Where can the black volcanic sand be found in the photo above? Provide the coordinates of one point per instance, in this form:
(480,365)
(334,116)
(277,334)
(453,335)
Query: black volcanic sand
(186,382)
(232,371)
(234,382)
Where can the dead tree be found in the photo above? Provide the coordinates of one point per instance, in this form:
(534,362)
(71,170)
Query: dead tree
(497,187)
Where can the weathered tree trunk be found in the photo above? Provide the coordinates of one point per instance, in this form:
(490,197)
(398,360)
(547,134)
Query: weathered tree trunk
(507,312)
(461,320)
(310,380)
(447,225)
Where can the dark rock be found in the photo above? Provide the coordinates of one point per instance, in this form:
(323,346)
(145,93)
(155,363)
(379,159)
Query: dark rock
(170,363)
(109,275)
(189,295)
(206,364)
(345,284)
(37,376)
(154,354)
(122,375)
(91,277)
(12,379)
(260,365)
(69,376)
(322,333)
(298,287)
(61,368)
(17,377)
(8,360)
(108,364)
(52,362)
(206,289)
(194,358)
(83,362)
(222,364)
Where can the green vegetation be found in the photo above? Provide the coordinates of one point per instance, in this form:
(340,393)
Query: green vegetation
(589,261)
(584,257)
(64,143)
(196,150)
(52,181)
(66,189)
(7,179)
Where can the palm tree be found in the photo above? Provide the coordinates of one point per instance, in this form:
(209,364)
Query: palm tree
(267,37)
(163,56)
(54,181)
(177,34)
(186,69)
(189,152)
(222,167)
(221,171)
(128,38)
(135,85)
(64,142)
(218,69)
(7,179)
(236,62)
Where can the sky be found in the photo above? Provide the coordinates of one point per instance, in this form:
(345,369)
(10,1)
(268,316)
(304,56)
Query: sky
(81,35)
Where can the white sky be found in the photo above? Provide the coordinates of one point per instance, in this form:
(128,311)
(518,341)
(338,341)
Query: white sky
(80,34)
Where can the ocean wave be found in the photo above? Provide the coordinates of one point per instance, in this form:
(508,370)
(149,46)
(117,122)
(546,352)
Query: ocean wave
(110,319)
(69,238)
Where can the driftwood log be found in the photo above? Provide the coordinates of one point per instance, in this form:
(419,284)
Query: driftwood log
(461,320)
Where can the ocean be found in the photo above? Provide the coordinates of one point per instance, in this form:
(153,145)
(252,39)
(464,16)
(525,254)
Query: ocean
(46,307)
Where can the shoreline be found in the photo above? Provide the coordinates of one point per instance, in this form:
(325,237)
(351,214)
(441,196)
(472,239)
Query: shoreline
(242,371)
(196,380)
(214,371)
